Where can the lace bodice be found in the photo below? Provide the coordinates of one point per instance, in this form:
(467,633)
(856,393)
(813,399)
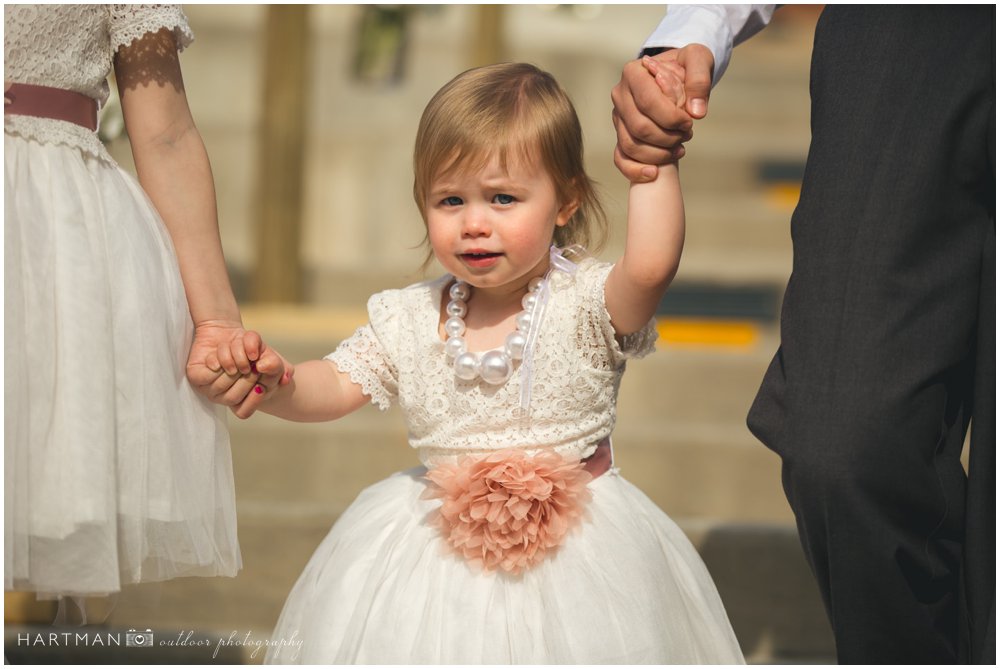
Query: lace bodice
(577,367)
(72,47)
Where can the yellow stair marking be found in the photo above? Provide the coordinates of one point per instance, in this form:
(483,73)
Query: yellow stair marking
(336,323)
(707,332)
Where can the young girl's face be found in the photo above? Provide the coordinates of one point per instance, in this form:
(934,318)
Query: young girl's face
(492,228)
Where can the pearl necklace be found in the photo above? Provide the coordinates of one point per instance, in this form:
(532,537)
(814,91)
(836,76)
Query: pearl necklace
(495,367)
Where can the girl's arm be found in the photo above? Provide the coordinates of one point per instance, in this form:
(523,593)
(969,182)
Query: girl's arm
(318,392)
(174,170)
(653,243)
(653,246)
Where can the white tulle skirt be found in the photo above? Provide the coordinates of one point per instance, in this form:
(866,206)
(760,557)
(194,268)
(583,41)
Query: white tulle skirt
(626,588)
(115,471)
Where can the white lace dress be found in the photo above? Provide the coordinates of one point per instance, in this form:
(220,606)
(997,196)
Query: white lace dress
(625,587)
(115,471)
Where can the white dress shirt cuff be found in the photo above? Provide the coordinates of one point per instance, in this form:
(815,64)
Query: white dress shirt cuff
(718,27)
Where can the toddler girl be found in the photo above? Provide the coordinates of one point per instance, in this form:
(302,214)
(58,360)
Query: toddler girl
(516,541)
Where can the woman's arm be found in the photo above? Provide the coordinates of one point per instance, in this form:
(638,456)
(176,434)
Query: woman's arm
(174,170)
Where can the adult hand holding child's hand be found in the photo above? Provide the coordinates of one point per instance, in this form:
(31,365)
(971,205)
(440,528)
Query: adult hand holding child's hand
(227,363)
(655,105)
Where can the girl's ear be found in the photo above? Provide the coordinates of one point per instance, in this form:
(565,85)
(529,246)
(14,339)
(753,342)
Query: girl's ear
(566,212)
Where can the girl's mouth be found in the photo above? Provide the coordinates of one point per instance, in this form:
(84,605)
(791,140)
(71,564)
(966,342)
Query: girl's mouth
(480,259)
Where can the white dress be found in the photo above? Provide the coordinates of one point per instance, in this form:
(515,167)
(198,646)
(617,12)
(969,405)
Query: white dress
(115,470)
(625,587)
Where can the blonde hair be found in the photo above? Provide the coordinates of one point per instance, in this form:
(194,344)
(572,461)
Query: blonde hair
(510,107)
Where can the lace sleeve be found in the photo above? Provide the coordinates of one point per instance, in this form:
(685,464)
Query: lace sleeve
(363,358)
(371,355)
(595,322)
(130,22)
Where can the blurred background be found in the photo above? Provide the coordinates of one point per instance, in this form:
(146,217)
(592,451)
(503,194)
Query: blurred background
(309,115)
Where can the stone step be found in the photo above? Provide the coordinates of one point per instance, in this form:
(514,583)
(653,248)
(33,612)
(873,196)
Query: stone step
(768,590)
(694,384)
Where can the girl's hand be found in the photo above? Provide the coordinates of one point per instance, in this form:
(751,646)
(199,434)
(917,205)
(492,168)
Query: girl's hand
(669,76)
(227,362)
(256,372)
(254,399)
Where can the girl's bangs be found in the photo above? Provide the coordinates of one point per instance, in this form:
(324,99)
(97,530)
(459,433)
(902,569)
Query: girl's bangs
(475,151)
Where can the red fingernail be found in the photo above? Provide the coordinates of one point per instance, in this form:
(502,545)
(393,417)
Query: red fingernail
(253,367)
(258,390)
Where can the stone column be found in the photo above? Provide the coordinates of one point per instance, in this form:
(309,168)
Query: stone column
(487,40)
(278,273)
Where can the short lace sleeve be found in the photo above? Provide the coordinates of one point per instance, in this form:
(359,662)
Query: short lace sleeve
(595,322)
(130,22)
(367,356)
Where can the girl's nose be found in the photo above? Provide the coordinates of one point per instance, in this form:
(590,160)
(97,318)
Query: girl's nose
(476,223)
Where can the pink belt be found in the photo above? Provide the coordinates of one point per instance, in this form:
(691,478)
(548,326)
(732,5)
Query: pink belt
(599,461)
(54,103)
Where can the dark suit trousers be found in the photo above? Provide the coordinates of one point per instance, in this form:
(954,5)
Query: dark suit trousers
(888,336)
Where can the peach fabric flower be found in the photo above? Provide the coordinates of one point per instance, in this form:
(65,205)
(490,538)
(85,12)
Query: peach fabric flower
(507,510)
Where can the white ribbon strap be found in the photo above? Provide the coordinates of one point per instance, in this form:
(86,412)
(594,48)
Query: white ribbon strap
(557,262)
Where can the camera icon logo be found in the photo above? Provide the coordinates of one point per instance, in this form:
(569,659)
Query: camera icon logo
(135,639)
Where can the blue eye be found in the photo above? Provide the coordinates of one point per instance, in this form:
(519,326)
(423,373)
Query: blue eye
(503,198)
(452,201)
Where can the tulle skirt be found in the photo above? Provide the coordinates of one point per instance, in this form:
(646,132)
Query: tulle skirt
(626,587)
(115,470)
